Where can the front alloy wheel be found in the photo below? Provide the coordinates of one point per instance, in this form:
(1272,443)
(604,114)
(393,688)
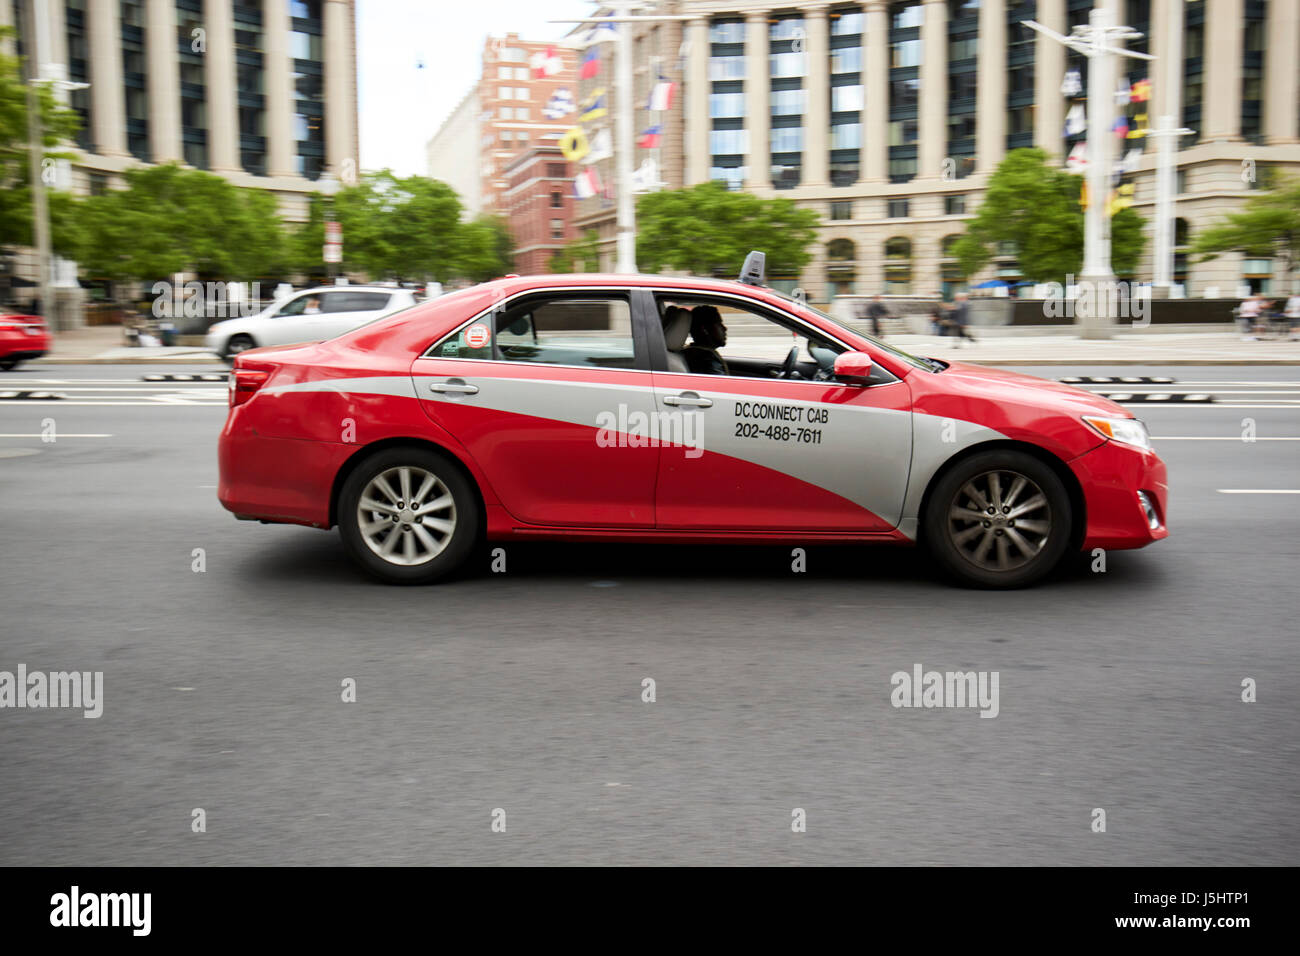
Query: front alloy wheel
(408,515)
(1000,519)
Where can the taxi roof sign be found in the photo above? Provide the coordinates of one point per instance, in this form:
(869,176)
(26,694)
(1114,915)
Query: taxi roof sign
(754,271)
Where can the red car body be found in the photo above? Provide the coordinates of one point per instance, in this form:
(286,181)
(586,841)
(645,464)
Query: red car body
(529,437)
(22,337)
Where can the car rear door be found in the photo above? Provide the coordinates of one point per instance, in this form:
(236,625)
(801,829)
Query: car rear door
(542,391)
(779,455)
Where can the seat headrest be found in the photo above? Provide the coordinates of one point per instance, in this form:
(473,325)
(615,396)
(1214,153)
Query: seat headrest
(677,327)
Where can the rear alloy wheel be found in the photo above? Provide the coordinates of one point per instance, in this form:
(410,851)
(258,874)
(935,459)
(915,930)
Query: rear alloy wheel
(408,516)
(1000,519)
(237,344)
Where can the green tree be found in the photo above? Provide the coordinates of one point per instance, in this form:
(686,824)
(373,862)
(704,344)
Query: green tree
(1267,225)
(399,228)
(578,255)
(1036,207)
(485,249)
(168,220)
(59,125)
(708,228)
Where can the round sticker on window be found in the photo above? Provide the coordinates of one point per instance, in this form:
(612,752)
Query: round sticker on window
(477,336)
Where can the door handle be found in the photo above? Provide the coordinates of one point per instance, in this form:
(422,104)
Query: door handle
(459,388)
(688,398)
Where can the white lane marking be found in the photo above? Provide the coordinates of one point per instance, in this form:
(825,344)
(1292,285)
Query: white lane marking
(1258,491)
(57,434)
(1225,438)
(204,404)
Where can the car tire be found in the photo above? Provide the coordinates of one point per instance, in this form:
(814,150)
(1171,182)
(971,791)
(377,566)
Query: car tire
(237,344)
(424,543)
(999,519)
(9,364)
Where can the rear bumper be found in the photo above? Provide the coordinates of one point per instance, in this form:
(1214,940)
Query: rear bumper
(1111,476)
(282,480)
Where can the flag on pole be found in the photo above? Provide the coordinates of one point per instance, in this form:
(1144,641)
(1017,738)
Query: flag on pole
(1139,126)
(661,97)
(1072,85)
(645,179)
(600,33)
(587,183)
(590,64)
(1122,93)
(545,63)
(1076,121)
(649,138)
(1141,91)
(1077,161)
(1120,128)
(602,146)
(593,107)
(560,104)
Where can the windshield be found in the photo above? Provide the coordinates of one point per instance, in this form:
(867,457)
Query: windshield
(929,365)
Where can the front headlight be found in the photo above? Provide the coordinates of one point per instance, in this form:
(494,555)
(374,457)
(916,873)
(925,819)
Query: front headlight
(1130,431)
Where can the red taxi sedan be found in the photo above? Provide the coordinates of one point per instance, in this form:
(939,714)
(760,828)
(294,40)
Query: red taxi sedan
(22,337)
(686,410)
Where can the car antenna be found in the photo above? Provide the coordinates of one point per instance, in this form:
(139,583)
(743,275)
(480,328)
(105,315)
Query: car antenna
(754,271)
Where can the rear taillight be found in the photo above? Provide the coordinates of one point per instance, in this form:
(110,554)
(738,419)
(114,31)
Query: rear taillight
(243,383)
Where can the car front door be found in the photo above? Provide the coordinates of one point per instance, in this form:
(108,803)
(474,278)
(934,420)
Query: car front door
(548,392)
(779,454)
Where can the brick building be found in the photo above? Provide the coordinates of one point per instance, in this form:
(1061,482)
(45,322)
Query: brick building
(538,204)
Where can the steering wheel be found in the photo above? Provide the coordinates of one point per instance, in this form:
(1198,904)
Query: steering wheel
(787,369)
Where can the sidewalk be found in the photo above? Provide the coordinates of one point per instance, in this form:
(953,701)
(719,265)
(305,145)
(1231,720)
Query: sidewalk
(103,345)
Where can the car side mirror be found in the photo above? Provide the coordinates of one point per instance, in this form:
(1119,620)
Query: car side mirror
(853,368)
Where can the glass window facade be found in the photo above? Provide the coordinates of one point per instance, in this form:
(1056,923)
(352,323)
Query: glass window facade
(308,88)
(250,97)
(847,96)
(727,138)
(1021,43)
(1254,51)
(194,121)
(787,67)
(904,88)
(963,63)
(131,13)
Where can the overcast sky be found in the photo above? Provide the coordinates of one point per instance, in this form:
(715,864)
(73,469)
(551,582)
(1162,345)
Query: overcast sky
(401,103)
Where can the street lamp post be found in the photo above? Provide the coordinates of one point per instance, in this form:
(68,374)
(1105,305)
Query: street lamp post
(1094,41)
(327,186)
(1165,134)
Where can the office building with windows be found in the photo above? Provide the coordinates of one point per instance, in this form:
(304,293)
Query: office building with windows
(262,92)
(889,118)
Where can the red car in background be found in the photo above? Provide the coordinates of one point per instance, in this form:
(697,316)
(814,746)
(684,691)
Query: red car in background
(22,337)
(573,408)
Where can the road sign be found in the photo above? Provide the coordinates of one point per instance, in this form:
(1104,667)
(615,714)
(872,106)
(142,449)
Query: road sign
(333,252)
(334,233)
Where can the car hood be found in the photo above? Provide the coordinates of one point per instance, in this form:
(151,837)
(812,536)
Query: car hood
(1000,384)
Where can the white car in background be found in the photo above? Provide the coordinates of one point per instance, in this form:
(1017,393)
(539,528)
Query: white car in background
(337,309)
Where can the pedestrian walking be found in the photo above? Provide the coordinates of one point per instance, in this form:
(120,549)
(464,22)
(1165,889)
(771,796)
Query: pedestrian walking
(960,317)
(875,312)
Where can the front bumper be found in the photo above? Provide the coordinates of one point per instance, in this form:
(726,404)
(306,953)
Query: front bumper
(1111,476)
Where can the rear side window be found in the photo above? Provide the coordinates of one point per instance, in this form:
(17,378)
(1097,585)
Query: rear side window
(566,329)
(354,301)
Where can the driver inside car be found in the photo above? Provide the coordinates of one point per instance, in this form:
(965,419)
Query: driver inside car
(708,334)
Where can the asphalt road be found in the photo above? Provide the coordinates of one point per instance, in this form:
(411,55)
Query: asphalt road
(523,691)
